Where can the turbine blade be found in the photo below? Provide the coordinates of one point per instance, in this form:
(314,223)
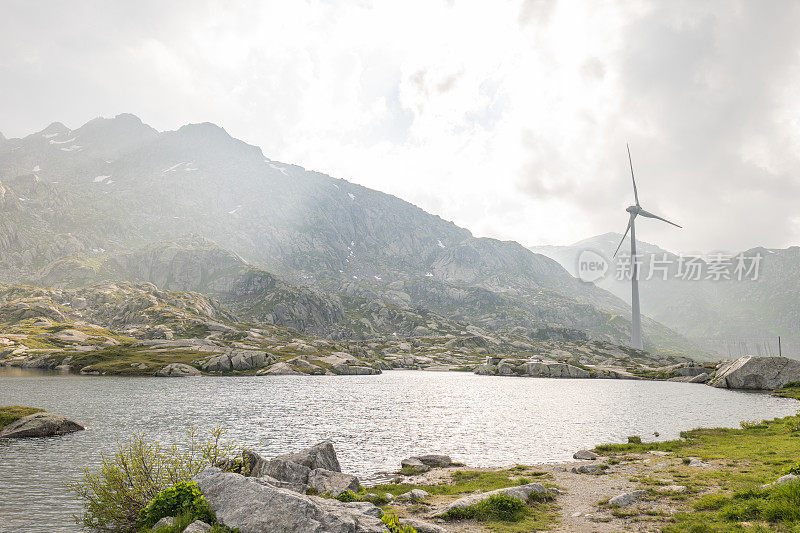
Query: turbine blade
(651,215)
(635,192)
(630,221)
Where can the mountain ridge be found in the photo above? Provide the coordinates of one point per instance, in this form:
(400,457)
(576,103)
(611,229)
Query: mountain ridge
(76,196)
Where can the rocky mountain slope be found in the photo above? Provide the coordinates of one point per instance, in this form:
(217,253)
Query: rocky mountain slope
(115,186)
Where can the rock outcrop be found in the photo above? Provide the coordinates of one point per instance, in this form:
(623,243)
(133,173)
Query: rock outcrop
(178,370)
(535,368)
(40,425)
(253,506)
(757,373)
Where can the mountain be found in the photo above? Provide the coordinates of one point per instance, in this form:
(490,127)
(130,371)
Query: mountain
(761,305)
(366,261)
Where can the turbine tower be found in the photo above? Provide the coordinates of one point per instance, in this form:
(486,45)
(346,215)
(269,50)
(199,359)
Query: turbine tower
(634,211)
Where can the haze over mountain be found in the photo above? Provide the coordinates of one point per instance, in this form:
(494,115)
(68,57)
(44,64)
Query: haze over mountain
(116,199)
(709,308)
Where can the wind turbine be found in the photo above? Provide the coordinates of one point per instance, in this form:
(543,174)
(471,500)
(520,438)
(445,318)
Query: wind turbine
(634,211)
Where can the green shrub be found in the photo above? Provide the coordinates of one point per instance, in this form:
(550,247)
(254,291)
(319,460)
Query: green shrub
(499,506)
(393,523)
(634,439)
(184,498)
(114,494)
(523,481)
(793,470)
(348,496)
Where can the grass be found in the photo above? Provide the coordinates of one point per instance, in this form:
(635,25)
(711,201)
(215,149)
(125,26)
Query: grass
(12,413)
(742,460)
(498,516)
(461,482)
(126,360)
(790,390)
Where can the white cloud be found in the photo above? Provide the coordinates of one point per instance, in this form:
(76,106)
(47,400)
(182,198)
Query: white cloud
(509,118)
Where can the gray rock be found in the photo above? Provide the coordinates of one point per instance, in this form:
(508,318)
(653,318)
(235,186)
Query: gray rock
(323,481)
(627,498)
(355,370)
(422,526)
(414,464)
(288,471)
(700,378)
(198,526)
(280,369)
(587,469)
(585,455)
(321,455)
(788,478)
(434,461)
(167,521)
(523,492)
(39,425)
(757,373)
(254,506)
(413,494)
(551,369)
(697,463)
(178,370)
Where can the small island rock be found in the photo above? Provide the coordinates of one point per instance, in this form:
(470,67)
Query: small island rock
(40,425)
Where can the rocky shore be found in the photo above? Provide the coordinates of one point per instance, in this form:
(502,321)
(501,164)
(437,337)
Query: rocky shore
(658,486)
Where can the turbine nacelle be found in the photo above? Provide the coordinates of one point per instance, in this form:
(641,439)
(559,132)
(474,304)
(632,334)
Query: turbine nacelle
(633,209)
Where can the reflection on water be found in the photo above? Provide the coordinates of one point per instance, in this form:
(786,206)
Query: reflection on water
(375,421)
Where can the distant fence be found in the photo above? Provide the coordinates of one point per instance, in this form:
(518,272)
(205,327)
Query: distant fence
(733,348)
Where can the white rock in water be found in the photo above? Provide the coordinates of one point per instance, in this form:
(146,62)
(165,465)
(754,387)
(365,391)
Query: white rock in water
(39,425)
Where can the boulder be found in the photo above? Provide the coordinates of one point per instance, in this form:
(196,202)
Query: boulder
(279,369)
(587,469)
(523,492)
(413,494)
(167,521)
(434,460)
(253,506)
(551,369)
(39,425)
(335,483)
(621,500)
(321,455)
(288,471)
(198,526)
(355,370)
(250,464)
(178,370)
(415,465)
(757,373)
(585,455)
(700,378)
(422,526)
(788,478)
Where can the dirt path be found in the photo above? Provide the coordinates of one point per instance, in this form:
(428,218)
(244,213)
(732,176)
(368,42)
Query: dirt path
(582,502)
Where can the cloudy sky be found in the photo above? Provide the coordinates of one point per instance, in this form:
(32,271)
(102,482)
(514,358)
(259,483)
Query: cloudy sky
(508,118)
